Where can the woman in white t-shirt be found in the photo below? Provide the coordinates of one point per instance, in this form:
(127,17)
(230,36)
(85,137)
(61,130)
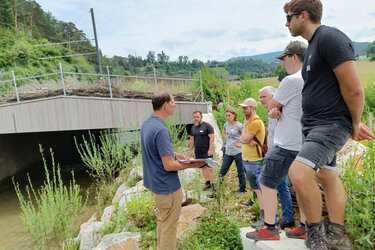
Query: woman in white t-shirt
(232,148)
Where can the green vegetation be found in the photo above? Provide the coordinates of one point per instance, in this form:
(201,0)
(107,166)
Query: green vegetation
(358,181)
(50,212)
(370,50)
(105,158)
(214,231)
(140,210)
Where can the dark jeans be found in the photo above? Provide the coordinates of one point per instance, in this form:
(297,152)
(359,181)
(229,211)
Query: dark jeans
(227,162)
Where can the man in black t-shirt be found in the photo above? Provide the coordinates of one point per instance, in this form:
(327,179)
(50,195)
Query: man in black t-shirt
(202,139)
(332,103)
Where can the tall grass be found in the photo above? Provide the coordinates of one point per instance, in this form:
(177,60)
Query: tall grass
(105,158)
(50,212)
(358,181)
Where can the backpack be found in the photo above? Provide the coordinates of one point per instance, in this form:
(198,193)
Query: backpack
(263,146)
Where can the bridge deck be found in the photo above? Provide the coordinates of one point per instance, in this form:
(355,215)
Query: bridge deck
(64,113)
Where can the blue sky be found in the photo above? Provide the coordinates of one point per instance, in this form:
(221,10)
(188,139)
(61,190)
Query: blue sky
(205,30)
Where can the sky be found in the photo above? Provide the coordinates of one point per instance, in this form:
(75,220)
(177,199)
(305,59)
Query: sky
(204,30)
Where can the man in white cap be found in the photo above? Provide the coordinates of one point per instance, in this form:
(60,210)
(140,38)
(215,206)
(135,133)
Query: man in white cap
(253,127)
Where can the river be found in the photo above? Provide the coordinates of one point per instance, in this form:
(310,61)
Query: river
(13,234)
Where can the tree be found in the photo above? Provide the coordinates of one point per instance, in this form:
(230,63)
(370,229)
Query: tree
(163,60)
(280,72)
(6,12)
(150,57)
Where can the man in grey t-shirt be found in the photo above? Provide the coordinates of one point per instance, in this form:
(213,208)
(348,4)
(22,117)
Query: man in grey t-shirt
(287,144)
(265,95)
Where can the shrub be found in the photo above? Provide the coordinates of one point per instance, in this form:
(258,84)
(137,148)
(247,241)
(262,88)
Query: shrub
(360,211)
(50,212)
(214,231)
(140,210)
(106,157)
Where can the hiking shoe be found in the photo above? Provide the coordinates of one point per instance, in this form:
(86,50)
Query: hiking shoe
(297,233)
(337,237)
(264,234)
(258,224)
(248,202)
(206,186)
(284,224)
(316,239)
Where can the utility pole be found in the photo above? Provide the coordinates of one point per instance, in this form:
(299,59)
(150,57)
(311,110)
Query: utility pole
(96,42)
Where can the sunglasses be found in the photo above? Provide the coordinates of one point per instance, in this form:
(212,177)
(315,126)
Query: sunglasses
(290,16)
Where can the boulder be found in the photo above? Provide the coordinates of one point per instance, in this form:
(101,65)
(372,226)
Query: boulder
(107,213)
(123,191)
(87,223)
(91,236)
(123,240)
(350,149)
(188,217)
(209,117)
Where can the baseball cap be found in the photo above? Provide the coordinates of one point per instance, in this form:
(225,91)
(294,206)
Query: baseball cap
(249,102)
(294,47)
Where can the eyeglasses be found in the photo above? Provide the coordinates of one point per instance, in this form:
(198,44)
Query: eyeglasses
(290,16)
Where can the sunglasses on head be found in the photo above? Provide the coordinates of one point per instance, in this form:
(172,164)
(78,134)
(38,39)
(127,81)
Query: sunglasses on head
(290,16)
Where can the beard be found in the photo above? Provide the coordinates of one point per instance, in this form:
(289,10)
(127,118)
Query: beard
(197,123)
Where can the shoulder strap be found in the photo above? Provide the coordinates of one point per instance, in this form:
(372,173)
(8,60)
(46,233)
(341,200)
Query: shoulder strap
(258,142)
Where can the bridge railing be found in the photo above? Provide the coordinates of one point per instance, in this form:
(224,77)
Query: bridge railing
(90,84)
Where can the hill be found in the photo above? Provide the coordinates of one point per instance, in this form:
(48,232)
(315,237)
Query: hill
(270,57)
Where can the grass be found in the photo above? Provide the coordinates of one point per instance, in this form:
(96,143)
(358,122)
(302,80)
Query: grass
(358,181)
(50,212)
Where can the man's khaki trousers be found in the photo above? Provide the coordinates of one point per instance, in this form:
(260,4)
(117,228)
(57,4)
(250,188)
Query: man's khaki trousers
(168,212)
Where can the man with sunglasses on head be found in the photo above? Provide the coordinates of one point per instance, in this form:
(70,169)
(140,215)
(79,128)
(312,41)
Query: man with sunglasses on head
(332,103)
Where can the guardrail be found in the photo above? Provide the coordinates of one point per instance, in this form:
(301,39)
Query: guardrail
(61,73)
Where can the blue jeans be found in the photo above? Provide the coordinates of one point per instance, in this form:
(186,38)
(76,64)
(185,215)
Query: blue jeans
(227,162)
(252,169)
(286,201)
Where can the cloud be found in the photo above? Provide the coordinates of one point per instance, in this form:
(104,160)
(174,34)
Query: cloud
(256,34)
(206,33)
(174,44)
(372,14)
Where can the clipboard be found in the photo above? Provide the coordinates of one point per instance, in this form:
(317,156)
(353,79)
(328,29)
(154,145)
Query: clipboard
(192,160)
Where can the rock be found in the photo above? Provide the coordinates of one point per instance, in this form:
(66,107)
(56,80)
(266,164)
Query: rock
(88,223)
(123,240)
(91,236)
(188,217)
(350,149)
(119,192)
(123,191)
(136,162)
(136,173)
(209,117)
(187,176)
(107,213)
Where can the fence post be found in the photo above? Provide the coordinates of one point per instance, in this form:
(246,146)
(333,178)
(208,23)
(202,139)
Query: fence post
(156,82)
(62,78)
(15,86)
(200,79)
(109,82)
